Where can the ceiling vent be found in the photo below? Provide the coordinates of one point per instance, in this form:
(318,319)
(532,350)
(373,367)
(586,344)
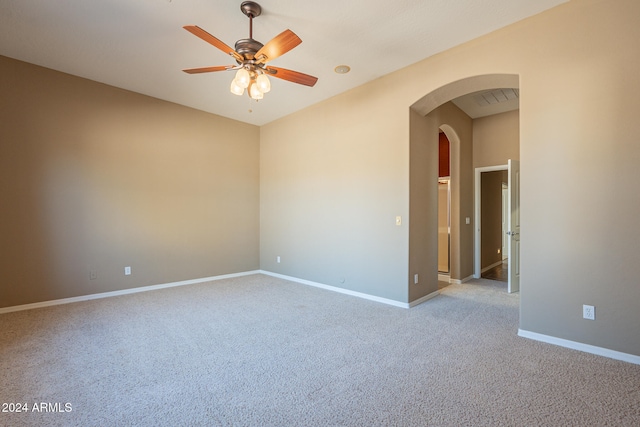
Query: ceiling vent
(496,96)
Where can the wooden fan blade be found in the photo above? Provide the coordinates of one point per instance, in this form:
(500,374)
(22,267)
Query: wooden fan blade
(292,76)
(277,46)
(199,32)
(208,69)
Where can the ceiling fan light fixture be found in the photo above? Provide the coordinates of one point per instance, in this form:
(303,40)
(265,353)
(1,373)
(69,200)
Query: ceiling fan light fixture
(252,56)
(263,83)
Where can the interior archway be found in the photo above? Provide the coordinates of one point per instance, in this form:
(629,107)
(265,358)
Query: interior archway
(426,118)
(461,87)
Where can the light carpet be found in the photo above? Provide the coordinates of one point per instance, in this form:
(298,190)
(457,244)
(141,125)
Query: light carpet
(261,351)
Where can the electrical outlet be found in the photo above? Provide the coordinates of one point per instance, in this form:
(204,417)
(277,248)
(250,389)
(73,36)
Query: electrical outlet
(127,271)
(415,278)
(93,275)
(589,312)
(278,259)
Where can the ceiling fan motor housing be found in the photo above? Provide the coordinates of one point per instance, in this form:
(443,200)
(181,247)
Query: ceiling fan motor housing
(248,47)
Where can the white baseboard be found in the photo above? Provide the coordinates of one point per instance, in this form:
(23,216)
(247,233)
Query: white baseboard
(448,279)
(340,290)
(495,264)
(587,348)
(214,278)
(121,292)
(424,298)
(461,281)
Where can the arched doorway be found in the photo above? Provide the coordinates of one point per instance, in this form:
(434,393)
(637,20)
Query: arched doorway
(427,115)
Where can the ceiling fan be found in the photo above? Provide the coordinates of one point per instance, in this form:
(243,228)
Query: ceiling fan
(252,56)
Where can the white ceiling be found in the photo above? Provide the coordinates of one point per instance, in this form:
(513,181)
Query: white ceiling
(489,102)
(140,45)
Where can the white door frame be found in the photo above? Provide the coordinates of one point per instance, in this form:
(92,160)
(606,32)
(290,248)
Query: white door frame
(514,226)
(477,218)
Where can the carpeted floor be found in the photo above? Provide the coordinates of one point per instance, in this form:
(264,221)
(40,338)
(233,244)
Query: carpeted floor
(260,351)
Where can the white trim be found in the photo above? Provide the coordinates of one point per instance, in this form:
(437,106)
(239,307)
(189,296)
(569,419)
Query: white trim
(340,290)
(460,282)
(211,279)
(587,348)
(448,279)
(495,264)
(121,292)
(424,298)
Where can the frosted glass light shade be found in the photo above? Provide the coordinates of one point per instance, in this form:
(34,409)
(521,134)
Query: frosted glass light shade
(263,83)
(235,89)
(254,92)
(243,78)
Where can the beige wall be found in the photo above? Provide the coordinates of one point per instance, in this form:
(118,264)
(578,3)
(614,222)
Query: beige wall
(97,178)
(496,139)
(423,205)
(332,182)
(335,175)
(423,185)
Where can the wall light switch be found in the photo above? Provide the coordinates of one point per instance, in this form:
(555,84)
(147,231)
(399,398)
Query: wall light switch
(467,220)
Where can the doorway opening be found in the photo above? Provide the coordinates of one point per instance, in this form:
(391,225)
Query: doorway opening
(497,218)
(492,223)
(444,208)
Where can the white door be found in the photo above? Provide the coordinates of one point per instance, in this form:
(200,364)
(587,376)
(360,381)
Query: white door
(505,218)
(514,226)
